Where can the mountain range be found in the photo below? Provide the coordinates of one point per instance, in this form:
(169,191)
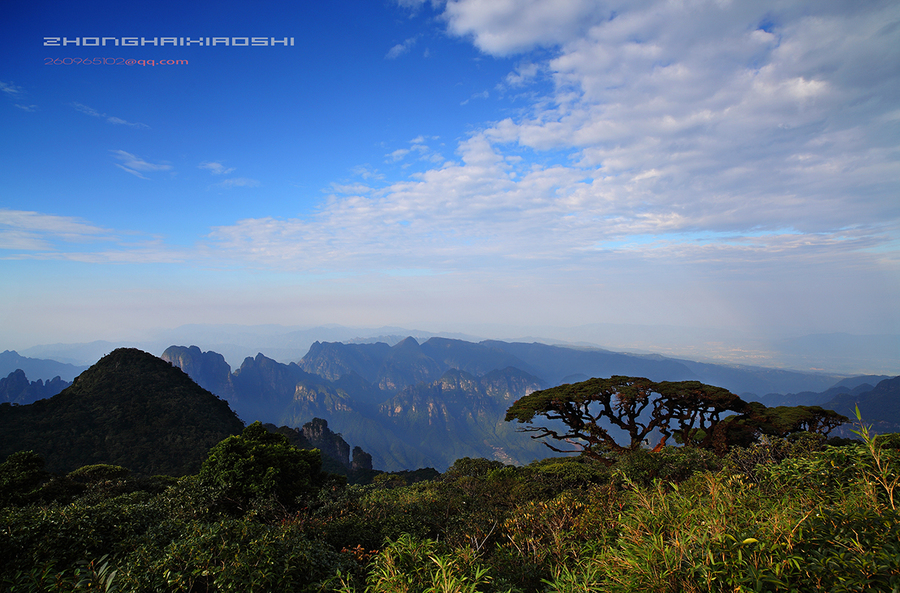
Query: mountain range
(17,389)
(138,411)
(839,353)
(415,405)
(410,406)
(39,368)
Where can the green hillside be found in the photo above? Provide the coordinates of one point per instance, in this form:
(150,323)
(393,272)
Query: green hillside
(130,409)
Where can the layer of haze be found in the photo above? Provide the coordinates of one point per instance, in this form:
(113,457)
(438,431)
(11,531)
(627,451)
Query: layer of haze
(453,166)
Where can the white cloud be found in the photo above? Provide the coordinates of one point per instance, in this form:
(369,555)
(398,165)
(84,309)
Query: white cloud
(215,168)
(680,140)
(397,155)
(23,229)
(481,95)
(39,236)
(87,110)
(132,171)
(11,90)
(523,74)
(748,149)
(418,145)
(237,182)
(110,119)
(401,48)
(503,27)
(136,165)
(366,172)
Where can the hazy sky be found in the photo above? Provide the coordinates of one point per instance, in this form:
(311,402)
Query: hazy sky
(435,164)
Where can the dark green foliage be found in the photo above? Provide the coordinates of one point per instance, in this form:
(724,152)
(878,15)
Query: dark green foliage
(94,575)
(854,551)
(20,476)
(669,465)
(130,409)
(99,473)
(779,421)
(472,468)
(557,474)
(789,514)
(259,464)
(233,555)
(751,460)
(61,536)
(838,552)
(414,565)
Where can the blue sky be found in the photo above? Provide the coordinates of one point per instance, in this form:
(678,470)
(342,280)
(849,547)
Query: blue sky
(451,164)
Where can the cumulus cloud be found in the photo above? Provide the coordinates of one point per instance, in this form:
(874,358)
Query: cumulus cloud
(727,132)
(663,145)
(397,155)
(504,27)
(522,75)
(417,146)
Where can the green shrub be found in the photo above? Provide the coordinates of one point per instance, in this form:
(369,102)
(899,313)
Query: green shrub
(20,476)
(258,464)
(233,555)
(557,474)
(669,465)
(412,565)
(61,536)
(767,450)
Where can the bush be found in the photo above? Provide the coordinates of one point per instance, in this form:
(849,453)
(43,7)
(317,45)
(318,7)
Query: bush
(412,565)
(20,476)
(258,464)
(669,465)
(233,555)
(58,537)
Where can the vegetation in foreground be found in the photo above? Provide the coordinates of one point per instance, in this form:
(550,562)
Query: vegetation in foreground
(780,515)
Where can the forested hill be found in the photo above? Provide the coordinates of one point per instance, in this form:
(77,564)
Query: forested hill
(130,409)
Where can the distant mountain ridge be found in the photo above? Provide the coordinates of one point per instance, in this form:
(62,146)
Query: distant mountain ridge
(397,402)
(37,368)
(17,389)
(850,387)
(413,405)
(879,406)
(836,353)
